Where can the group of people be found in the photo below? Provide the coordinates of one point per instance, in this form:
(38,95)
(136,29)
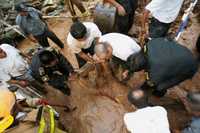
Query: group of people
(165,62)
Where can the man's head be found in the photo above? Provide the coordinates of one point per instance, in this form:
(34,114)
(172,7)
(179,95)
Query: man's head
(103,50)
(22,9)
(138,97)
(78,31)
(2,53)
(47,58)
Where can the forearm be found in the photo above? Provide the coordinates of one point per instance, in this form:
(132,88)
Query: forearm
(65,65)
(113,2)
(85,57)
(145,18)
(12,81)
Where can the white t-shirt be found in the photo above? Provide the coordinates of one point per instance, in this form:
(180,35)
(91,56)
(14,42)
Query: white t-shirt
(147,120)
(123,46)
(13,64)
(92,33)
(165,11)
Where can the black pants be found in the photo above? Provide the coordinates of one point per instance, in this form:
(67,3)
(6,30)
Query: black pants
(43,39)
(159,89)
(158,29)
(124,23)
(59,82)
(89,50)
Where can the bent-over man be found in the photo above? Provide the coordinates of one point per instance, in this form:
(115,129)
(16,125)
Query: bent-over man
(34,27)
(82,39)
(117,47)
(166,63)
(52,67)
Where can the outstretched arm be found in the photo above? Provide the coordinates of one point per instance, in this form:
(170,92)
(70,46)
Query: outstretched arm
(86,57)
(120,8)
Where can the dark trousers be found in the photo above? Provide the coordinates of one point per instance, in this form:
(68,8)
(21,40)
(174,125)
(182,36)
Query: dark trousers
(124,23)
(43,39)
(158,29)
(160,89)
(59,82)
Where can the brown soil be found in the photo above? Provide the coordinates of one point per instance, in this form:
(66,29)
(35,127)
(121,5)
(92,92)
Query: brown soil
(101,109)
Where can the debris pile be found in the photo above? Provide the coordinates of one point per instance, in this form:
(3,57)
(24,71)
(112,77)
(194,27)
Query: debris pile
(8,28)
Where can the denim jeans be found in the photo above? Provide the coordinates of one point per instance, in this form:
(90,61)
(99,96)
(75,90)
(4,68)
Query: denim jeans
(158,29)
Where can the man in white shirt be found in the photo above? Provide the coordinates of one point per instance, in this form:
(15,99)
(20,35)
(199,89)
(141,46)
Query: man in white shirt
(147,120)
(164,12)
(81,40)
(119,47)
(13,67)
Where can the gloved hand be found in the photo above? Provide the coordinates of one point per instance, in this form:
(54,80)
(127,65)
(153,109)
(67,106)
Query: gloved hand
(42,102)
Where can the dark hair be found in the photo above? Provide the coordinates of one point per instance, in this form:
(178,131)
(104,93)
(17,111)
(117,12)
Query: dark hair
(137,62)
(21,7)
(78,30)
(46,57)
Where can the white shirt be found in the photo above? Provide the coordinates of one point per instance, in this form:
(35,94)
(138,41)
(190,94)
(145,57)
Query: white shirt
(147,120)
(92,33)
(123,46)
(13,64)
(165,11)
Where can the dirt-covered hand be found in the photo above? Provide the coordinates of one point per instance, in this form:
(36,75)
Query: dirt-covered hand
(121,10)
(72,76)
(23,83)
(97,59)
(125,74)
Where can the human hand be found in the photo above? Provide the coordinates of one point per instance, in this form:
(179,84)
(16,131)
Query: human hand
(125,74)
(42,102)
(97,59)
(121,10)
(72,76)
(22,83)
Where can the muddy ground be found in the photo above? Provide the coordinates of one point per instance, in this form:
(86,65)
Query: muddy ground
(100,109)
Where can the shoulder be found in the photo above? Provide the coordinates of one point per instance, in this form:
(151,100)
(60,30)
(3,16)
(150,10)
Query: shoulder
(33,12)
(70,39)
(155,3)
(7,46)
(31,9)
(35,62)
(90,25)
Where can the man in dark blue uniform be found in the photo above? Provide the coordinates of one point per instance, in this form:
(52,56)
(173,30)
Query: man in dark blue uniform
(166,63)
(53,68)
